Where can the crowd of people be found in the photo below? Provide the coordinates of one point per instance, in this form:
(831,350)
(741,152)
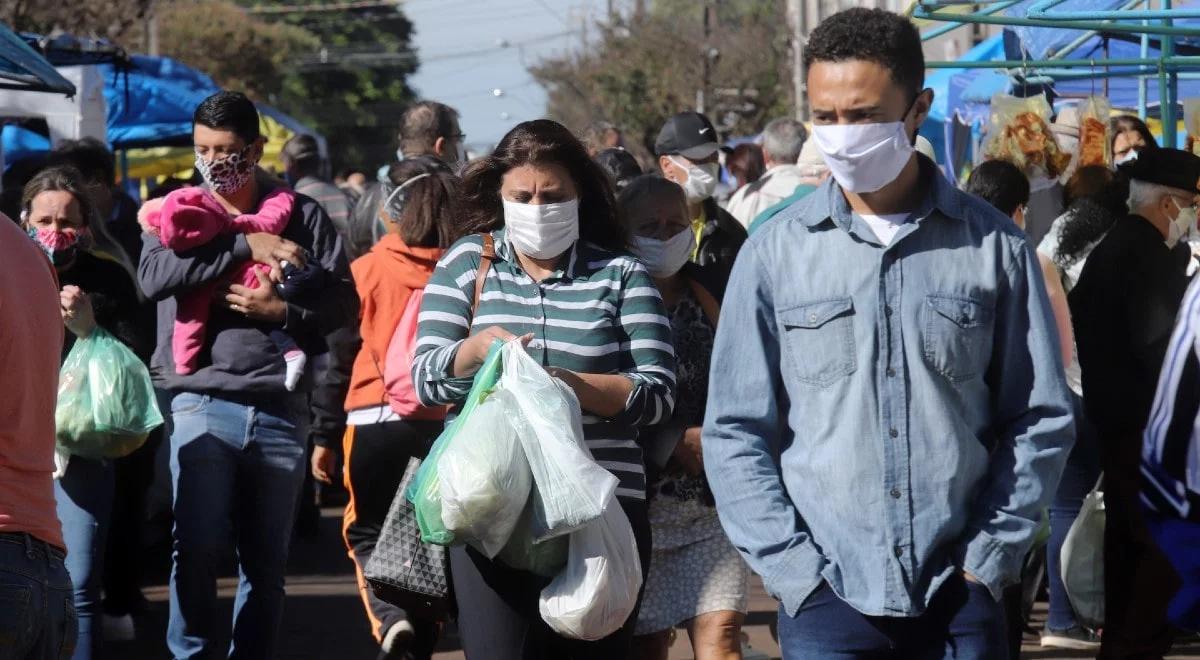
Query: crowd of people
(810,358)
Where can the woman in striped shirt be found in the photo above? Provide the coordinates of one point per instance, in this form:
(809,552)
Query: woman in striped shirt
(561,282)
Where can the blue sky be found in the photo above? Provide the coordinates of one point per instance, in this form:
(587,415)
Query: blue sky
(457,42)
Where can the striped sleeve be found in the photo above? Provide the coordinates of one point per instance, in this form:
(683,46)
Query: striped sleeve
(647,356)
(444,324)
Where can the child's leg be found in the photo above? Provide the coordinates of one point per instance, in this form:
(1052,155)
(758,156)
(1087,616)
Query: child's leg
(294,358)
(191,320)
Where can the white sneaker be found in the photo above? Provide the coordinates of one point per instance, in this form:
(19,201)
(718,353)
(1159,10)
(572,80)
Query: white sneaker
(399,634)
(118,628)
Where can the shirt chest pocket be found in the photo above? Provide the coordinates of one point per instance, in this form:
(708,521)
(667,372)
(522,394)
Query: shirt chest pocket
(957,336)
(819,338)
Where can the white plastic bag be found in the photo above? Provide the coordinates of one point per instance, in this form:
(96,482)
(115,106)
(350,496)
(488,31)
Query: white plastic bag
(484,477)
(1083,560)
(594,596)
(571,489)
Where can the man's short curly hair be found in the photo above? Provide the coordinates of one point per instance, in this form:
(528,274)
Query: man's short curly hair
(872,35)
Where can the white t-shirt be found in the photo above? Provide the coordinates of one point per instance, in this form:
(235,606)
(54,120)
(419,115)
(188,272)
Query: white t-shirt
(885,226)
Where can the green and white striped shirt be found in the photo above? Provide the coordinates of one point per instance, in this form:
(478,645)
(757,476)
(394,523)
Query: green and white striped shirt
(601,314)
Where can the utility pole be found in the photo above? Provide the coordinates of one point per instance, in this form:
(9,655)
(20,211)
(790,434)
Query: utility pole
(795,19)
(702,93)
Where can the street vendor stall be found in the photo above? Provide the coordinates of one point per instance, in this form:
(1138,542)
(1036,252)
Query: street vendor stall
(1143,60)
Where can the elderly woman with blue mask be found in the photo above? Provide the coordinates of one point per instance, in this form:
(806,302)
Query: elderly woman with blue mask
(696,578)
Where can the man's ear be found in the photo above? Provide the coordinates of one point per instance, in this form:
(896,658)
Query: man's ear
(922,106)
(259,148)
(439,147)
(665,164)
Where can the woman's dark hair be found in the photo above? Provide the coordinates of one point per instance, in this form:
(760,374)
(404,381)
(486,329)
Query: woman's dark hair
(62,178)
(872,35)
(88,155)
(541,142)
(645,188)
(1089,181)
(1089,217)
(1125,123)
(746,163)
(422,212)
(1001,184)
(229,111)
(621,166)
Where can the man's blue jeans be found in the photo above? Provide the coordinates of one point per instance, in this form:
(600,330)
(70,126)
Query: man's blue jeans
(236,471)
(37,610)
(84,499)
(962,622)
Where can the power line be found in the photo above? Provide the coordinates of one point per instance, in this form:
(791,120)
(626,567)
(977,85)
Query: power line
(316,8)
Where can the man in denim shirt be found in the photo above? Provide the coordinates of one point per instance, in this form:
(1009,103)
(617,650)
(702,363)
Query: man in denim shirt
(888,413)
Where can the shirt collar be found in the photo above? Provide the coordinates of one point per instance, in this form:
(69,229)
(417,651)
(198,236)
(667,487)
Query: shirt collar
(576,258)
(830,203)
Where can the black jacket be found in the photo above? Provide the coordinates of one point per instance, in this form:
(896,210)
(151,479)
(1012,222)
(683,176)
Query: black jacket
(720,242)
(1123,309)
(114,302)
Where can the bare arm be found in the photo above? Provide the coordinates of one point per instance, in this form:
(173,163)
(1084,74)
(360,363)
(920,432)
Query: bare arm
(1058,305)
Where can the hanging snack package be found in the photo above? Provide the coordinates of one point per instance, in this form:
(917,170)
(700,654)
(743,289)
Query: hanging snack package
(1191,120)
(1094,145)
(1019,132)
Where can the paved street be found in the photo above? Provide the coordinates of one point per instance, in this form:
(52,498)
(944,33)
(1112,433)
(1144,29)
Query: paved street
(324,618)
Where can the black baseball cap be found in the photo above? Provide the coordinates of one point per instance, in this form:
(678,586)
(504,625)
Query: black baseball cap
(1173,168)
(689,134)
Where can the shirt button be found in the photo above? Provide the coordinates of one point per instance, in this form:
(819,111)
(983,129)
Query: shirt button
(891,372)
(895,493)
(812,318)
(894,433)
(899,552)
(887,311)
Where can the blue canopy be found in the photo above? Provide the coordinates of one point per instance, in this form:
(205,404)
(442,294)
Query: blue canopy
(150,104)
(22,68)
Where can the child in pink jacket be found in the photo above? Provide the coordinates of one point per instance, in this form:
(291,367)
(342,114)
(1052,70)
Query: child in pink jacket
(191,217)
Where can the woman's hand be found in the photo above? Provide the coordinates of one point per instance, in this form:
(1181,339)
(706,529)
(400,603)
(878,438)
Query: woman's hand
(324,462)
(260,304)
(474,349)
(77,312)
(688,453)
(599,394)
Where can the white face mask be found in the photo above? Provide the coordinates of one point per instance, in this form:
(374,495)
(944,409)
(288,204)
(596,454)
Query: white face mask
(701,182)
(541,231)
(864,157)
(665,258)
(1182,225)
(1129,157)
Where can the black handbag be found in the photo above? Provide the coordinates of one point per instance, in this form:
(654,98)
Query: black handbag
(405,571)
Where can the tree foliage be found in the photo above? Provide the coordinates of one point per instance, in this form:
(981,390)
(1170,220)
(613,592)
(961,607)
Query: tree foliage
(651,67)
(110,19)
(238,51)
(354,87)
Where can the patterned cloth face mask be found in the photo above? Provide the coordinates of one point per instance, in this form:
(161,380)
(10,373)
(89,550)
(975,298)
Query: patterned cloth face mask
(229,174)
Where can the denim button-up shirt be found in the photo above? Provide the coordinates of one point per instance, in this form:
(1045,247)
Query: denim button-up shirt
(882,417)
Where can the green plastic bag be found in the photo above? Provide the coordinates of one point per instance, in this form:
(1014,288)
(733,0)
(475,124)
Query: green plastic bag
(106,405)
(425,491)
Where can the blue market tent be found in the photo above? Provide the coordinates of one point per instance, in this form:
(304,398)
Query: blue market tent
(22,68)
(150,104)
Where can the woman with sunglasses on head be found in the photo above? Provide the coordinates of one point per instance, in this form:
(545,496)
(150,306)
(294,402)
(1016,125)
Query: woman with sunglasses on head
(556,277)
